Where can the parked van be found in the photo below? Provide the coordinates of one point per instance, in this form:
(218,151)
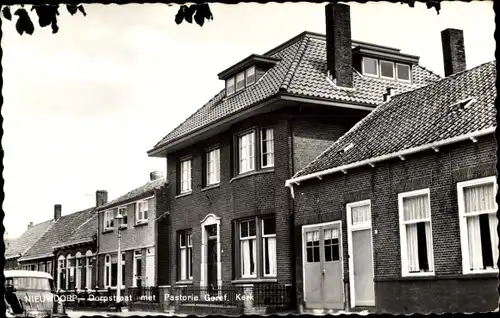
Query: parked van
(30,294)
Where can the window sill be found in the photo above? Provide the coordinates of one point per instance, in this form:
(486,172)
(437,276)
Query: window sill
(252,173)
(141,224)
(183,194)
(107,231)
(210,187)
(184,282)
(440,277)
(254,280)
(424,274)
(114,288)
(486,273)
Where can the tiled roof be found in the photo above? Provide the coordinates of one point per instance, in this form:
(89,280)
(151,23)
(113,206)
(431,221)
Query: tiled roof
(136,193)
(84,233)
(301,71)
(59,233)
(412,119)
(27,239)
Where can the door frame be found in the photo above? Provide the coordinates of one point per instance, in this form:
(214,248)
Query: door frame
(351,229)
(210,219)
(304,256)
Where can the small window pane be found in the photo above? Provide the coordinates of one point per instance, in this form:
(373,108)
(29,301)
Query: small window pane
(269,226)
(230,86)
(244,229)
(416,207)
(387,69)
(183,239)
(403,72)
(240,81)
(252,229)
(251,75)
(370,66)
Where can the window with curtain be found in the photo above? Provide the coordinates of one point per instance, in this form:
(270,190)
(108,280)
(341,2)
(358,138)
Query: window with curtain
(124,212)
(331,245)
(61,273)
(267,147)
(312,246)
(416,233)
(79,267)
(246,152)
(185,176)
(213,166)
(108,219)
(256,246)
(89,264)
(142,212)
(269,246)
(478,225)
(185,256)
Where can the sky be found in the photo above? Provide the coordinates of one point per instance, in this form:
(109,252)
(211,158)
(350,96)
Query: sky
(83,106)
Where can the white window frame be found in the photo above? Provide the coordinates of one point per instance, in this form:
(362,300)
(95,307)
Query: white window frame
(397,73)
(188,180)
(119,211)
(78,270)
(236,81)
(264,236)
(402,232)
(139,213)
(213,166)
(88,269)
(376,66)
(69,269)
(137,255)
(270,153)
(250,145)
(108,220)
(393,70)
(107,268)
(464,239)
(252,68)
(186,273)
(228,81)
(60,268)
(247,238)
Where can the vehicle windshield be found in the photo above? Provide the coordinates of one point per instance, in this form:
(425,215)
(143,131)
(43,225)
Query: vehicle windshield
(30,283)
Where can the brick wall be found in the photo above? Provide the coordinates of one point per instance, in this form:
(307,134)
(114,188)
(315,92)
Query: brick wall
(135,236)
(257,194)
(321,201)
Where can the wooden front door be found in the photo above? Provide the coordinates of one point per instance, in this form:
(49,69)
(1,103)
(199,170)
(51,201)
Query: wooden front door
(323,284)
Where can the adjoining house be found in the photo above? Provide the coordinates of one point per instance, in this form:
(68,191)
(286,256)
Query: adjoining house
(230,226)
(17,248)
(399,214)
(138,245)
(67,249)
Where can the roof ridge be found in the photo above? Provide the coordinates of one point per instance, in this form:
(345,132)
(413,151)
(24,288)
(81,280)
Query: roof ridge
(287,43)
(116,200)
(295,64)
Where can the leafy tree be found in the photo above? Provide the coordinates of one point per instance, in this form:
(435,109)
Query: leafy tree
(199,12)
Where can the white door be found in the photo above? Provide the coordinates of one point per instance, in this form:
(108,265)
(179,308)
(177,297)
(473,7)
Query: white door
(359,232)
(322,262)
(150,267)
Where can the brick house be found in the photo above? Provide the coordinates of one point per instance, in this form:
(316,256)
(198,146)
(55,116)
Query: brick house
(66,250)
(17,248)
(399,214)
(138,209)
(231,220)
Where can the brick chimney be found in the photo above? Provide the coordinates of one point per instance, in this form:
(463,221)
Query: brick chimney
(155,175)
(339,43)
(453,51)
(101,198)
(57,211)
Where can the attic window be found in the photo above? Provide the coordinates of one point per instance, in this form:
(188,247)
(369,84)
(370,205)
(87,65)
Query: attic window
(240,81)
(386,69)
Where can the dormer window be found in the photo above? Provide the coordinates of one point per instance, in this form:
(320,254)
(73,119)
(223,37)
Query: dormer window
(250,75)
(370,66)
(243,79)
(240,81)
(403,72)
(386,69)
(230,86)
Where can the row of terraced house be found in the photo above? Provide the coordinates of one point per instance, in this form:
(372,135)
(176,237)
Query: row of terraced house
(328,174)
